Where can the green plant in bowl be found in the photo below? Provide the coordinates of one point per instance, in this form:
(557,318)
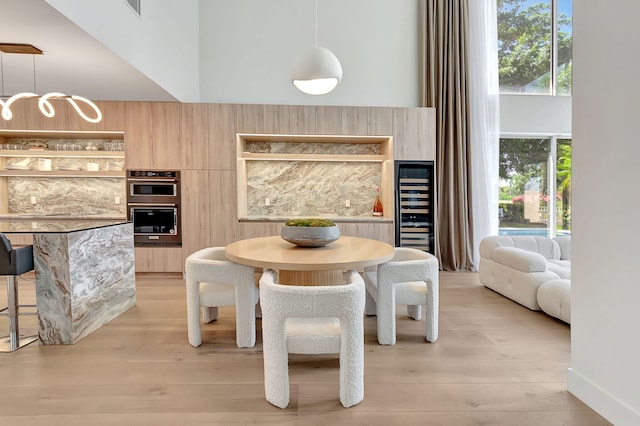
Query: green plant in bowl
(310,232)
(313,223)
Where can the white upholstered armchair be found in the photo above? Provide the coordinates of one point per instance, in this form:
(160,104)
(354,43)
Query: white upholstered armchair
(312,320)
(410,278)
(212,281)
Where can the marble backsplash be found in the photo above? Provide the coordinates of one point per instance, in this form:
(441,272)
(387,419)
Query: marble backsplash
(303,188)
(66,196)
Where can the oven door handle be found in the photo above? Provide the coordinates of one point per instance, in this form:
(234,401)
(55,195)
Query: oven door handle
(151,180)
(151,205)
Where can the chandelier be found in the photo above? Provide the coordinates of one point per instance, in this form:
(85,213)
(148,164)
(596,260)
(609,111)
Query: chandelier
(44,102)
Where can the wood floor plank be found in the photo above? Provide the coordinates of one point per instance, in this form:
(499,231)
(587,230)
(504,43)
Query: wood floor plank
(495,363)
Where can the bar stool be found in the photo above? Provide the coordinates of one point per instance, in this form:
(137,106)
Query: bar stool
(14,262)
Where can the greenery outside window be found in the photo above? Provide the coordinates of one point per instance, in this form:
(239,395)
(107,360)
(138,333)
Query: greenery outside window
(535,186)
(534,46)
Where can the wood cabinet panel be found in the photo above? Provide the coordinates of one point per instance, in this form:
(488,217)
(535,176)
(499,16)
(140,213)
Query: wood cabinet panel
(194,136)
(152,135)
(159,259)
(195,210)
(408,145)
(222,141)
(380,121)
(354,120)
(377,231)
(303,119)
(427,131)
(276,119)
(113,116)
(249,118)
(27,116)
(258,229)
(329,120)
(224,216)
(199,140)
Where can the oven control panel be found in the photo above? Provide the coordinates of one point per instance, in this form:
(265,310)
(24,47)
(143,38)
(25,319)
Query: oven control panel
(152,173)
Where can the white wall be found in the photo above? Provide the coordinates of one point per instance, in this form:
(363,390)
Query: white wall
(605,367)
(535,114)
(162,43)
(247,49)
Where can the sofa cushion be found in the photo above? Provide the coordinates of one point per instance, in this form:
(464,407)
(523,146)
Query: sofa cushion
(541,245)
(564,242)
(520,260)
(554,298)
(562,268)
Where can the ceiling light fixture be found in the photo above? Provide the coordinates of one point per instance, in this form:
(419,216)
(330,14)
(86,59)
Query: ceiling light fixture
(44,101)
(318,71)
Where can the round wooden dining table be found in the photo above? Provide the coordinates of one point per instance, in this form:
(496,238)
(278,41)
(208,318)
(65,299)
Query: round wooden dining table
(309,265)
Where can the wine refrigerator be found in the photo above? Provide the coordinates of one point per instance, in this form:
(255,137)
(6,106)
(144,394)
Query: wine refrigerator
(414,189)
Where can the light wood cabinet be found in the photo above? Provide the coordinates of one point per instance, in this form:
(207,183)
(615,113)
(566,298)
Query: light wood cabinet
(200,141)
(152,135)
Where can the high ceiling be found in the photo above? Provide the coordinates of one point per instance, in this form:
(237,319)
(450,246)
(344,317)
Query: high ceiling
(73,62)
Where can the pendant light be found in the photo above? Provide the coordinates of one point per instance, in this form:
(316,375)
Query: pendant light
(318,71)
(44,101)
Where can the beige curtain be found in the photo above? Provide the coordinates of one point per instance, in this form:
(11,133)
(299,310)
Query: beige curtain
(444,86)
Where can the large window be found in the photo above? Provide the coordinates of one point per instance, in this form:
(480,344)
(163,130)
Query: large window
(535,189)
(534,46)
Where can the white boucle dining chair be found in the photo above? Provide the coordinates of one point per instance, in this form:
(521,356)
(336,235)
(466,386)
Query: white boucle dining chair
(410,278)
(212,281)
(312,320)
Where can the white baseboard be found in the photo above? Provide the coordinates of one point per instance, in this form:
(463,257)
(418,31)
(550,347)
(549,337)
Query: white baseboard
(601,401)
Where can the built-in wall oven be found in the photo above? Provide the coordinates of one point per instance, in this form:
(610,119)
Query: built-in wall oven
(153,205)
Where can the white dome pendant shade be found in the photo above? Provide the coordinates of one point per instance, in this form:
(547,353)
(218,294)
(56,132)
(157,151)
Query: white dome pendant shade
(318,72)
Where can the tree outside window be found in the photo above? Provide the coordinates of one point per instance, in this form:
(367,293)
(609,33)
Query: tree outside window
(528,50)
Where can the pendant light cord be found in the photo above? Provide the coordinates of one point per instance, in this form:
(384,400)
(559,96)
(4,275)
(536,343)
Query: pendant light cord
(2,73)
(316,23)
(34,73)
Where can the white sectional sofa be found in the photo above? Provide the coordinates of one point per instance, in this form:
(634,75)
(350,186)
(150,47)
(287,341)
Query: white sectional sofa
(518,266)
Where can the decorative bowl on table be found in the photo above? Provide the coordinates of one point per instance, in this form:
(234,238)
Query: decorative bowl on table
(310,232)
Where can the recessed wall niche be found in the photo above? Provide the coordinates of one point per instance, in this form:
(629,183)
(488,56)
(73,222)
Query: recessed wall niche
(285,176)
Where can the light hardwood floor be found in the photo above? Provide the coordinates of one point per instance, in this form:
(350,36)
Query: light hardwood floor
(495,363)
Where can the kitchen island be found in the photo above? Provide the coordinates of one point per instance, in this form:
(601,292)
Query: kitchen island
(84,274)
